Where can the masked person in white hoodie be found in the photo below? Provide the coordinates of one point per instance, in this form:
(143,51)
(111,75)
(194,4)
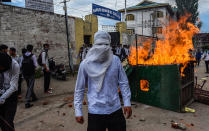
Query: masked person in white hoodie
(102,72)
(9,74)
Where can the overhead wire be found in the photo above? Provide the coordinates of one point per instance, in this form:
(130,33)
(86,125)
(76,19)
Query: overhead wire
(88,10)
(106,3)
(75,9)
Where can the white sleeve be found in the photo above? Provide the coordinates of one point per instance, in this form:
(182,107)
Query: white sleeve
(79,91)
(35,61)
(13,81)
(43,55)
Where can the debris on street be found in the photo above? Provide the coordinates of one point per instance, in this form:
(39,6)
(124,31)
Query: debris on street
(178,126)
(189,110)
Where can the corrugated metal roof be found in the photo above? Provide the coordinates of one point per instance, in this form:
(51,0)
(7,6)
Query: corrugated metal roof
(145,4)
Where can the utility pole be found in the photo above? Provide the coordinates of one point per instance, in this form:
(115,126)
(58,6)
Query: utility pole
(68,39)
(125,14)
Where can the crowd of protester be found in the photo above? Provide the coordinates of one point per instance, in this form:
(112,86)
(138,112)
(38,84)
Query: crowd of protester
(13,70)
(202,55)
(121,51)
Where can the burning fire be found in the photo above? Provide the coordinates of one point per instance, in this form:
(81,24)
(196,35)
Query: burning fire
(144,85)
(174,48)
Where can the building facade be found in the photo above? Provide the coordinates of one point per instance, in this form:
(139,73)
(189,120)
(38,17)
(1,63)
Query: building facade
(201,40)
(42,5)
(109,28)
(147,18)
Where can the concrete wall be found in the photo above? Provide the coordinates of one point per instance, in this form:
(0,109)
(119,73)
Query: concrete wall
(19,27)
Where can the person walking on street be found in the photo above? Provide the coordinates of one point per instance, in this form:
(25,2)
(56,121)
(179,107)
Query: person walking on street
(21,75)
(9,73)
(198,57)
(85,51)
(206,58)
(118,51)
(102,72)
(46,70)
(28,65)
(80,54)
(114,50)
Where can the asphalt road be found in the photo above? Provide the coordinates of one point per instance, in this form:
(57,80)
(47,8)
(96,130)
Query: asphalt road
(54,112)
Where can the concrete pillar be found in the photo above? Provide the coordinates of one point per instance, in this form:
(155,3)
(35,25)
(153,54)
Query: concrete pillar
(79,34)
(121,27)
(93,20)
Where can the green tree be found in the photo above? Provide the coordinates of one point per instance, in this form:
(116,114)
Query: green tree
(188,6)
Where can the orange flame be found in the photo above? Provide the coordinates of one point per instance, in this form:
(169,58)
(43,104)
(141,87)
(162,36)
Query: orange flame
(144,85)
(174,48)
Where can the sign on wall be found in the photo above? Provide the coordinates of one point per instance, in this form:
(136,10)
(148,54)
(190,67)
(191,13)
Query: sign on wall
(105,12)
(5,0)
(43,5)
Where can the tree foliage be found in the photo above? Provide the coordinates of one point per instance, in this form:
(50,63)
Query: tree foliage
(188,6)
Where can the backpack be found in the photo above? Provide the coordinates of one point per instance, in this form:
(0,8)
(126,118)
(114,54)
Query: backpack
(40,59)
(28,67)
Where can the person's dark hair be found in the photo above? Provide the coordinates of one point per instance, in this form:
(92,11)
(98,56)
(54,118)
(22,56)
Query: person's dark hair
(12,49)
(46,45)
(5,61)
(3,47)
(30,48)
(24,51)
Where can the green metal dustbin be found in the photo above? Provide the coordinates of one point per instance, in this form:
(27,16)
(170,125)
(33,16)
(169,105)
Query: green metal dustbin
(165,88)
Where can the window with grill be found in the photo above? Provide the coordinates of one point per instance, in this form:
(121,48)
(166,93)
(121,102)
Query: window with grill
(157,14)
(130,17)
(157,30)
(130,31)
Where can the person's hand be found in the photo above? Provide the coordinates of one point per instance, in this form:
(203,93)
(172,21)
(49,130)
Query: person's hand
(47,70)
(127,112)
(2,101)
(80,119)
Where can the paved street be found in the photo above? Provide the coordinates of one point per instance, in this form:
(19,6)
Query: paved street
(149,35)
(52,113)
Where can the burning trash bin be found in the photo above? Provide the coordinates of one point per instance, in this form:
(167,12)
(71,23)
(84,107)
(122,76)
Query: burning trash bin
(164,76)
(162,86)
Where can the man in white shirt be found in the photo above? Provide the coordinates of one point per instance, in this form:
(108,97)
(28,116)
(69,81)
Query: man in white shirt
(9,73)
(13,54)
(102,72)
(206,58)
(46,70)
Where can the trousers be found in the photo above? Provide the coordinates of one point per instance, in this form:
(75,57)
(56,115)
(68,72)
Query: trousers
(20,84)
(7,113)
(113,122)
(47,79)
(30,80)
(206,64)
